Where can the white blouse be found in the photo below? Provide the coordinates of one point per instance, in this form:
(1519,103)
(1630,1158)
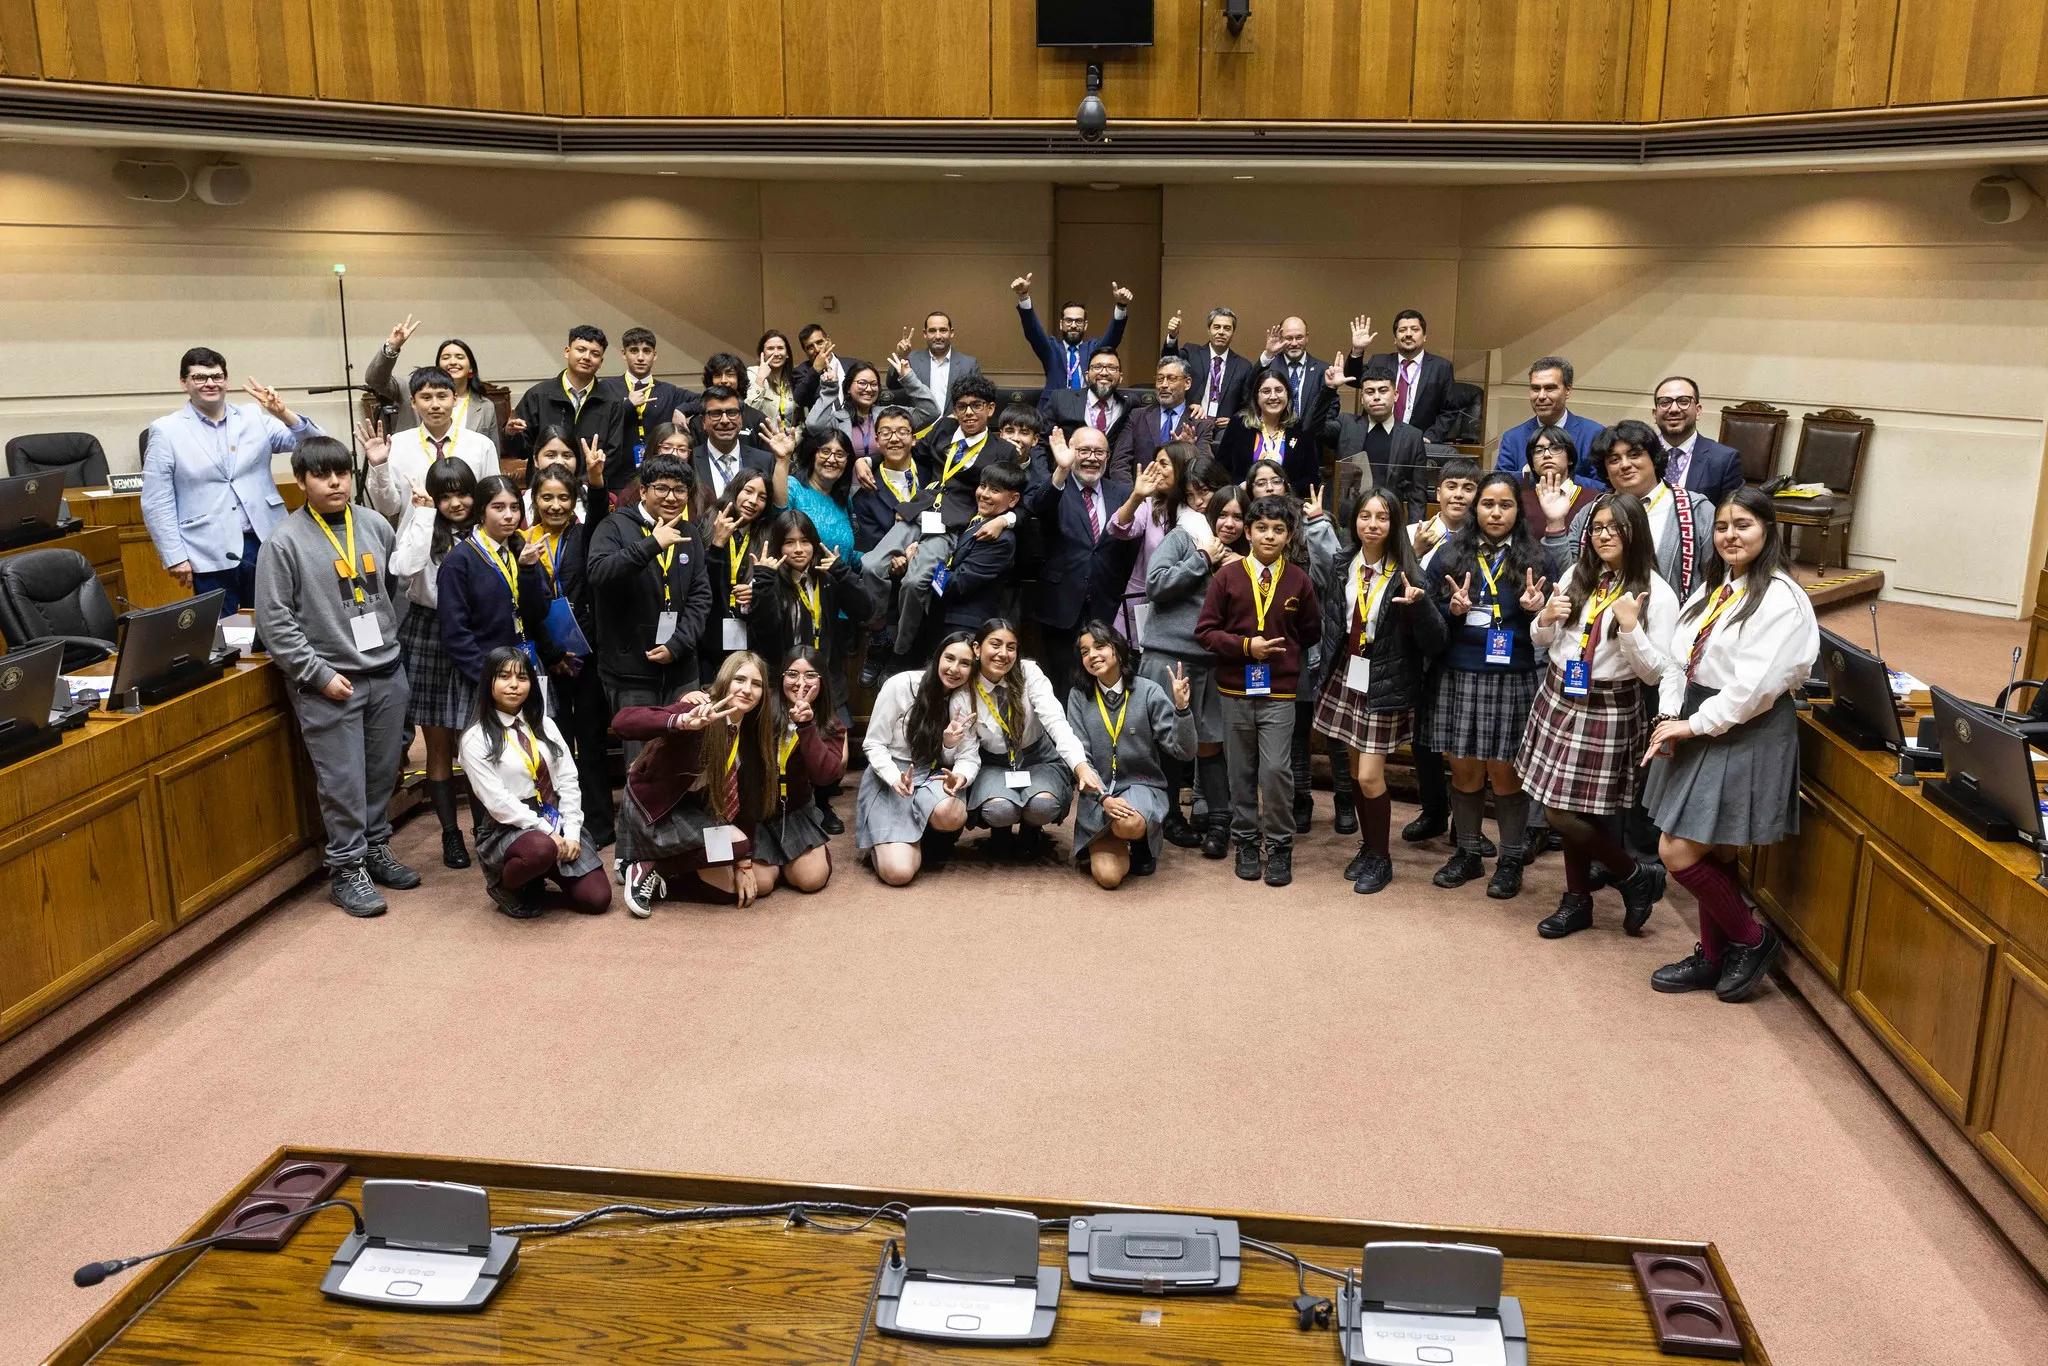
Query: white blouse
(1043,715)
(412,562)
(1750,664)
(887,742)
(390,484)
(1640,654)
(503,785)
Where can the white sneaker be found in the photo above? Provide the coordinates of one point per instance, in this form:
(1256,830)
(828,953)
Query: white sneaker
(643,887)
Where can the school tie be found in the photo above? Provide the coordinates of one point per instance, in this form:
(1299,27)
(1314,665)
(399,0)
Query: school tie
(1401,390)
(1603,587)
(959,451)
(1265,577)
(732,780)
(543,781)
(1699,642)
(441,445)
(1094,516)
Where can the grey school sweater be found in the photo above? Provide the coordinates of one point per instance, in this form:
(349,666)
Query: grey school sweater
(303,608)
(1175,583)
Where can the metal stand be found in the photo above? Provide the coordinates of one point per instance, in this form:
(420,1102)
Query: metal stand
(1905,777)
(347,388)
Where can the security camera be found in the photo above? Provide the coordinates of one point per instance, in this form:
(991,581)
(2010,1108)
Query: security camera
(1091,120)
(2002,199)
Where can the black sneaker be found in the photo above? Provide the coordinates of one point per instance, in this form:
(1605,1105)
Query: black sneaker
(643,887)
(387,871)
(523,904)
(1744,971)
(454,854)
(1574,913)
(1462,866)
(1304,812)
(1343,811)
(1506,883)
(1248,859)
(1179,832)
(1486,849)
(1375,875)
(1357,864)
(1426,826)
(1640,893)
(1691,973)
(350,888)
(1216,842)
(1542,840)
(1279,863)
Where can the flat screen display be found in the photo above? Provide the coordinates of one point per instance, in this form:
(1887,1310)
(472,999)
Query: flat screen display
(1095,23)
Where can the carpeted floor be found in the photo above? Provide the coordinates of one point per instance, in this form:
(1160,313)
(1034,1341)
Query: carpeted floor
(1969,654)
(1417,1056)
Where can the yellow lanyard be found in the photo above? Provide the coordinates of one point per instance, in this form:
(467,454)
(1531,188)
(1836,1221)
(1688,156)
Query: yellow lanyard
(812,596)
(1650,503)
(735,556)
(1262,599)
(427,445)
(902,496)
(963,455)
(1115,729)
(1368,603)
(551,557)
(666,560)
(510,576)
(1491,572)
(1010,732)
(962,539)
(787,748)
(1595,606)
(575,403)
(639,400)
(345,560)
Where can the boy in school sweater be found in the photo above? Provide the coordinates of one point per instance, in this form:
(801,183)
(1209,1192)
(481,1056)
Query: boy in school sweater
(324,610)
(1259,619)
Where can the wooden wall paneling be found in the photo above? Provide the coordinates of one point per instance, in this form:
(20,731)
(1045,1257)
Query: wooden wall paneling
(1646,59)
(1969,50)
(1724,58)
(447,54)
(1812,895)
(1522,60)
(1309,59)
(212,849)
(877,60)
(2013,1102)
(1159,82)
(254,47)
(1919,972)
(561,61)
(656,59)
(18,53)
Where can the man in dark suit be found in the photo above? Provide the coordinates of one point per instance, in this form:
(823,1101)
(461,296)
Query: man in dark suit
(1376,448)
(1172,416)
(1708,468)
(726,453)
(1101,405)
(1065,357)
(649,403)
(1085,568)
(1218,377)
(1550,396)
(1287,356)
(939,366)
(1422,381)
(573,401)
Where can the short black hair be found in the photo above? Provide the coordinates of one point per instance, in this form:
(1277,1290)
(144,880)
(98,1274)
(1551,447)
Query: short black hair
(1411,313)
(1073,303)
(318,455)
(1557,363)
(200,355)
(725,362)
(659,466)
(1021,415)
(938,313)
(636,336)
(808,331)
(1003,477)
(1687,380)
(589,332)
(1629,432)
(976,385)
(1461,468)
(1271,508)
(429,377)
(896,410)
(1376,371)
(1109,351)
(719,392)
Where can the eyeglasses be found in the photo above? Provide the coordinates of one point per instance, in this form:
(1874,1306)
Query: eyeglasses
(1673,401)
(722,415)
(974,405)
(667,490)
(207,379)
(797,674)
(1604,530)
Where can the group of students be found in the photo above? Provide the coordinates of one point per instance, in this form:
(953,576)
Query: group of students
(693,572)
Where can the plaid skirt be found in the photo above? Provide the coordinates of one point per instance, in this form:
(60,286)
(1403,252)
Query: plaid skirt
(1583,753)
(1341,715)
(440,695)
(1481,714)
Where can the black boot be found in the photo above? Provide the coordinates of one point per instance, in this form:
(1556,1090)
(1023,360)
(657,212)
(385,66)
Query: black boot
(1279,863)
(1344,809)
(1574,913)
(1248,858)
(1216,840)
(1178,830)
(1427,825)
(828,819)
(1640,893)
(441,792)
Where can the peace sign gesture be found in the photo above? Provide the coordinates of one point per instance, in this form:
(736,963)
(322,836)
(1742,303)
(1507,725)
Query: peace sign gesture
(1409,595)
(1628,611)
(907,340)
(1461,594)
(1181,690)
(402,333)
(593,461)
(800,712)
(531,548)
(956,729)
(376,445)
(1534,591)
(1312,506)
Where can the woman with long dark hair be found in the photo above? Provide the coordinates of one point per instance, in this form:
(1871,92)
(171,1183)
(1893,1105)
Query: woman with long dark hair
(811,755)
(1269,429)
(438,699)
(565,514)
(1129,728)
(735,529)
(492,591)
(1724,753)
(473,407)
(922,758)
(771,390)
(1030,760)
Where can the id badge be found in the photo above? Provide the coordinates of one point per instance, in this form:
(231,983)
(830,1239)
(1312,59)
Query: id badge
(368,634)
(1258,680)
(719,841)
(1358,674)
(1481,617)
(933,523)
(1578,678)
(1018,778)
(1500,647)
(733,634)
(941,576)
(664,628)
(547,812)
(639,450)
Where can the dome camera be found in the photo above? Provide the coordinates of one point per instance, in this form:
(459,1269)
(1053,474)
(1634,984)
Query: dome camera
(1091,120)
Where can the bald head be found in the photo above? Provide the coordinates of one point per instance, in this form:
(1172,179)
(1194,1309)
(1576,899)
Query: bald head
(1091,454)
(1294,338)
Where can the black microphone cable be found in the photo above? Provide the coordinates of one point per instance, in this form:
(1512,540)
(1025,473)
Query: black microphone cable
(92,1273)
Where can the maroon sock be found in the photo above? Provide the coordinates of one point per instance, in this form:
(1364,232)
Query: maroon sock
(1721,907)
(590,892)
(1375,815)
(530,856)
(1578,869)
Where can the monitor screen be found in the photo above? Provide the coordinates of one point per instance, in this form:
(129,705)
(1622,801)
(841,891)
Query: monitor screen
(1095,23)
(1990,761)
(1861,690)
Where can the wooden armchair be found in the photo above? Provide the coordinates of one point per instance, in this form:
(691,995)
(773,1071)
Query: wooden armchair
(1831,445)
(1757,430)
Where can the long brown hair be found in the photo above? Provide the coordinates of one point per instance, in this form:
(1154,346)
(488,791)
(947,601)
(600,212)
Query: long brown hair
(753,744)
(1009,689)
(1638,553)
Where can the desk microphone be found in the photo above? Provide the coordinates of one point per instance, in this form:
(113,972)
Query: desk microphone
(1875,647)
(92,1273)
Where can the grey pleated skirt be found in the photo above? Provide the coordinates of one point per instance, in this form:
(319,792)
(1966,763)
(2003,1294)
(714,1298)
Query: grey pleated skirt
(1089,821)
(789,835)
(494,840)
(1203,699)
(1049,775)
(882,815)
(1737,788)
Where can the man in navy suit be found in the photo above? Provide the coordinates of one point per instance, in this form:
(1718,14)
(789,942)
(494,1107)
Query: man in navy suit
(1550,393)
(1065,357)
(1085,567)
(1422,379)
(1218,377)
(1708,468)
(1287,356)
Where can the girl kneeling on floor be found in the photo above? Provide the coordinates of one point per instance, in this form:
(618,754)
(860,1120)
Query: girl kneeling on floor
(1129,728)
(922,758)
(521,773)
(812,755)
(1030,760)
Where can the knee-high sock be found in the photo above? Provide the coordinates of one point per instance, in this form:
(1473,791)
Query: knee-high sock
(1512,811)
(1042,810)
(1468,809)
(441,791)
(530,856)
(1578,866)
(1180,774)
(1587,838)
(1214,772)
(1724,915)
(1432,788)
(1375,816)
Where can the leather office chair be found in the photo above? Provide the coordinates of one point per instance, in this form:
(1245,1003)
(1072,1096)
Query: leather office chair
(1831,444)
(1757,430)
(77,454)
(1465,405)
(54,595)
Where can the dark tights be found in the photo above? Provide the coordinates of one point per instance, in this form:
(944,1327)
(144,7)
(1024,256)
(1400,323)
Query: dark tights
(1589,839)
(533,856)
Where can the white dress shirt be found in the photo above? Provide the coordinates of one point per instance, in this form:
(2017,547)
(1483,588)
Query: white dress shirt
(942,377)
(412,556)
(1751,663)
(503,786)
(1410,370)
(390,484)
(1042,716)
(1641,654)
(887,742)
(716,476)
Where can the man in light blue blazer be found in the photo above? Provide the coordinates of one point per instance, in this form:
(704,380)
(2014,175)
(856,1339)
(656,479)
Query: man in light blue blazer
(1550,393)
(209,498)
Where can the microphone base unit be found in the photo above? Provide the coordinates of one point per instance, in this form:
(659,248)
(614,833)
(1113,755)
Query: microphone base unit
(1372,1335)
(1154,1254)
(370,1270)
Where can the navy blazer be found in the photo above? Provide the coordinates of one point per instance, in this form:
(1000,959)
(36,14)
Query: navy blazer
(1514,448)
(876,511)
(1237,446)
(1054,354)
(1080,576)
(956,505)
(663,404)
(1715,471)
(974,580)
(476,608)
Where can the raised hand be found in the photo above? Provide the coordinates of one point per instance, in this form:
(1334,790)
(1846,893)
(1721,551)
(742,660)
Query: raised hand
(1021,286)
(957,728)
(267,399)
(1410,594)
(669,533)
(1122,296)
(1334,377)
(1628,611)
(593,461)
(1273,340)
(1062,453)
(1559,607)
(1312,506)
(828,562)
(771,563)
(723,525)
(402,333)
(778,438)
(906,341)
(1181,689)
(1534,591)
(420,499)
(1555,500)
(1361,332)
(1185,432)
(376,445)
(532,549)
(1461,594)
(1173,324)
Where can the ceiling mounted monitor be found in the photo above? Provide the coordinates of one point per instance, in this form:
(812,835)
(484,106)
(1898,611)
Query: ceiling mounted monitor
(1095,23)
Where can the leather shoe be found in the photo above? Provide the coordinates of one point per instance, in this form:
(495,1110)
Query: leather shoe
(1744,971)
(1344,811)
(1304,812)
(1506,883)
(1574,913)
(523,904)
(1279,864)
(1426,826)
(1248,860)
(1179,833)
(1487,849)
(1377,873)
(1357,864)
(1462,866)
(1691,973)
(454,854)
(829,822)
(1216,842)
(1640,893)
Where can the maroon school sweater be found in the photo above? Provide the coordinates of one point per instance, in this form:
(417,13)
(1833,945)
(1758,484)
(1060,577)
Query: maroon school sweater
(1229,620)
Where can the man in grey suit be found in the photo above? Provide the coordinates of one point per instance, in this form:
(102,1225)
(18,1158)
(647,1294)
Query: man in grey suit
(939,365)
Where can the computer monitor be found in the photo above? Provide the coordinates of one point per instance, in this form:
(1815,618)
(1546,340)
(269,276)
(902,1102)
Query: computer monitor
(31,509)
(1860,695)
(165,650)
(28,700)
(1989,783)
(1091,23)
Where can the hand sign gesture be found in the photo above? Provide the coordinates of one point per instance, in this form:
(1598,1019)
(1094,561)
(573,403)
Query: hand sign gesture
(779,439)
(906,341)
(1555,500)
(1461,594)
(376,445)
(1151,478)
(1628,611)
(420,499)
(1122,296)
(1558,609)
(723,525)
(1021,286)
(1334,377)
(593,461)
(1361,332)
(1312,506)
(1062,453)
(771,563)
(1409,595)
(1181,689)
(800,712)
(829,562)
(402,333)
(267,399)
(669,533)
(1173,324)
(956,729)
(531,549)
(1534,591)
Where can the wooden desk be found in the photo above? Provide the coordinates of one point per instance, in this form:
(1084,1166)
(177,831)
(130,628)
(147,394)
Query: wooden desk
(628,1291)
(1936,942)
(148,584)
(135,826)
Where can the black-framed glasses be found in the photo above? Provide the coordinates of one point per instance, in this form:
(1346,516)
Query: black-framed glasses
(1674,401)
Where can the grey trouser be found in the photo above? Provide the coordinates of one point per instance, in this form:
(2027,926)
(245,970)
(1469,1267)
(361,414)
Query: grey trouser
(640,693)
(356,748)
(1258,740)
(874,567)
(917,587)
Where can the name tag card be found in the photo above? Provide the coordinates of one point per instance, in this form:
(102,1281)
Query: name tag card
(941,576)
(719,841)
(664,628)
(1018,778)
(1480,617)
(1358,674)
(1578,678)
(1258,680)
(933,523)
(733,634)
(366,630)
(1500,647)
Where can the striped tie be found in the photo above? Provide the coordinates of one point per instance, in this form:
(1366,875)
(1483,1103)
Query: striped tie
(1699,642)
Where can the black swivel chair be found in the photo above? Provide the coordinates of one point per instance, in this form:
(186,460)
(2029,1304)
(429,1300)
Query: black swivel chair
(2033,721)
(54,595)
(77,454)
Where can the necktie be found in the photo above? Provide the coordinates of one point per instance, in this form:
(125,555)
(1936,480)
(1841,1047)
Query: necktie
(1699,642)
(1073,367)
(1094,516)
(725,469)
(959,451)
(1167,423)
(1101,414)
(1401,390)
(1602,588)
(1294,373)
(732,779)
(1265,577)
(1214,392)
(441,445)
(1674,470)
(543,781)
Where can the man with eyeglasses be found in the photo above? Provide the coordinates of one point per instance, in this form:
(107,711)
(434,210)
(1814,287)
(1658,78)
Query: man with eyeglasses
(1692,461)
(209,498)
(1066,356)
(727,451)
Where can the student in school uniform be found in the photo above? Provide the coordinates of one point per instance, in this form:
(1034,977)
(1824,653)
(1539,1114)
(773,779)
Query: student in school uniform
(555,449)
(1381,631)
(707,774)
(1129,727)
(325,613)
(573,402)
(1313,547)
(440,514)
(888,518)
(648,402)
(812,755)
(1259,625)
(1551,498)
(399,464)
(1177,534)
(734,533)
(1492,579)
(473,411)
(923,758)
(1030,760)
(649,592)
(971,583)
(565,515)
(1457,486)
(529,827)
(1724,753)
(491,588)
(850,408)
(1605,631)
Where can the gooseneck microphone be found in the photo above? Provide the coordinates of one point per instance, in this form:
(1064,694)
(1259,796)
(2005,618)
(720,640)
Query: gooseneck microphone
(92,1273)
